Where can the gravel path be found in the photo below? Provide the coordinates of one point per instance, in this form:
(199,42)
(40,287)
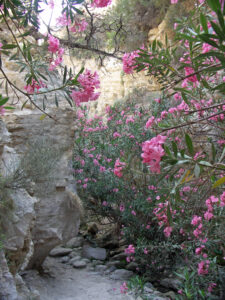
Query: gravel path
(64,282)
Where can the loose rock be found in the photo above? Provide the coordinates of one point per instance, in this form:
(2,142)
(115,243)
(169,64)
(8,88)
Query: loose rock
(121,274)
(96,253)
(79,264)
(75,242)
(60,251)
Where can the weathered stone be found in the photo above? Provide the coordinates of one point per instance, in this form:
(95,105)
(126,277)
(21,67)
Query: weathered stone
(100,268)
(121,274)
(58,210)
(7,284)
(64,259)
(75,258)
(119,256)
(17,229)
(60,251)
(171,283)
(96,253)
(79,264)
(75,242)
(117,263)
(132,266)
(170,295)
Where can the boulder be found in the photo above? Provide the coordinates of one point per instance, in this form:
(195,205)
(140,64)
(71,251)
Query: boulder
(121,274)
(75,242)
(79,264)
(7,284)
(96,253)
(60,251)
(172,283)
(18,241)
(58,209)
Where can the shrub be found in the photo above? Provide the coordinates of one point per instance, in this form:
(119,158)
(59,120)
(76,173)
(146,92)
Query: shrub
(158,172)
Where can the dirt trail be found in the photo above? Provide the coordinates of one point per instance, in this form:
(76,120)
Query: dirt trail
(67,283)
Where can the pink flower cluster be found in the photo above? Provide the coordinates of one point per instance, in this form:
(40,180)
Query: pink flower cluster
(129,61)
(101,3)
(89,82)
(118,167)
(79,26)
(203,267)
(174,1)
(129,251)
(123,288)
(34,86)
(54,48)
(153,152)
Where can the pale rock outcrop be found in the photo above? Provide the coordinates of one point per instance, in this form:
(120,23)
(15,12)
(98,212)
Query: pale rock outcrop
(7,283)
(58,211)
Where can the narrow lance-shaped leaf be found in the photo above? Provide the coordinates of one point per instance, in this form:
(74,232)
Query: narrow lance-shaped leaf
(189,144)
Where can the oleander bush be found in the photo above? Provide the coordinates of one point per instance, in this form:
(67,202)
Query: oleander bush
(158,171)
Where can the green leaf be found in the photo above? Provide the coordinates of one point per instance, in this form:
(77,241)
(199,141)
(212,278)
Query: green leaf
(9,107)
(175,150)
(217,30)
(24,104)
(205,163)
(197,170)
(3,100)
(189,144)
(203,21)
(64,75)
(219,182)
(214,5)
(9,46)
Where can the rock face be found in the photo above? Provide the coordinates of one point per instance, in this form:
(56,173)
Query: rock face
(56,204)
(7,284)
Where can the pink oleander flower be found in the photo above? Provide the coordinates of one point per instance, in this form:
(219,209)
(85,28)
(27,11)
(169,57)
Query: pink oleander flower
(211,286)
(34,86)
(196,220)
(53,44)
(51,4)
(122,207)
(150,122)
(89,82)
(189,71)
(167,231)
(222,200)
(145,251)
(133,213)
(2,110)
(203,267)
(116,134)
(63,20)
(129,61)
(130,249)
(208,215)
(101,3)
(153,152)
(123,288)
(1,46)
(118,167)
(79,26)
(174,1)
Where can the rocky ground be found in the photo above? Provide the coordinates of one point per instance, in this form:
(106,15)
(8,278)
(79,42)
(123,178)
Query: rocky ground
(79,271)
